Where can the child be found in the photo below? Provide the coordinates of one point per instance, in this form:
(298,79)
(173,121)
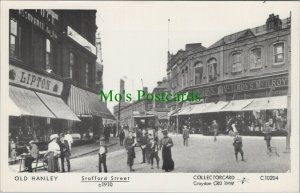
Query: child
(238,146)
(154,151)
(102,155)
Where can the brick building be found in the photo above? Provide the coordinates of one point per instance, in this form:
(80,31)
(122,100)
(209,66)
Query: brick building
(250,64)
(52,61)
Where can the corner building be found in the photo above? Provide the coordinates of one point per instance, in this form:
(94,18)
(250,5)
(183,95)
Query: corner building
(52,75)
(243,76)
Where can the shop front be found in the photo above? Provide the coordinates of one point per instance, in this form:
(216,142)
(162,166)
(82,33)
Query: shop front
(36,109)
(92,112)
(250,103)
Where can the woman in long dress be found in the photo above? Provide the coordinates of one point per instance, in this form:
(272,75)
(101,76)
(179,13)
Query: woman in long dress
(53,154)
(166,143)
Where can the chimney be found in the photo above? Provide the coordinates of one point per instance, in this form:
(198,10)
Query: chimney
(273,22)
(145,89)
(193,46)
(159,83)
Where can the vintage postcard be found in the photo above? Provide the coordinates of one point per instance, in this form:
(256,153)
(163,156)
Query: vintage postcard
(149,96)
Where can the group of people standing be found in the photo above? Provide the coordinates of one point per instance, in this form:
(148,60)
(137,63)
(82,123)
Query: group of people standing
(150,146)
(59,148)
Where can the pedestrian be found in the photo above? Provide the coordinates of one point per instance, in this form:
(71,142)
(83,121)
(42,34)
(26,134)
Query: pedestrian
(129,145)
(33,155)
(267,130)
(69,138)
(102,156)
(166,144)
(65,152)
(143,144)
(238,146)
(215,129)
(154,151)
(122,136)
(185,135)
(53,154)
(114,130)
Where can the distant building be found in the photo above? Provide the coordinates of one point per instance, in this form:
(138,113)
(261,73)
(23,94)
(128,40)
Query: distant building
(249,64)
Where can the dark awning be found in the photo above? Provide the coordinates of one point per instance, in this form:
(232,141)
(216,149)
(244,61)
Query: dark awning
(85,103)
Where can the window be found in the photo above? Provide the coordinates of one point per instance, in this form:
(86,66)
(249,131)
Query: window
(72,65)
(14,34)
(212,69)
(236,62)
(186,76)
(255,58)
(198,72)
(182,79)
(87,74)
(48,55)
(278,53)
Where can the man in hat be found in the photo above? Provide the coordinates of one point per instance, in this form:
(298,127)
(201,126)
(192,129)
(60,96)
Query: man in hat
(215,129)
(102,155)
(129,145)
(267,130)
(65,152)
(238,146)
(144,140)
(33,155)
(185,135)
(166,144)
(122,136)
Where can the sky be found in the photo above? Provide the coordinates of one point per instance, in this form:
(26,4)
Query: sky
(135,34)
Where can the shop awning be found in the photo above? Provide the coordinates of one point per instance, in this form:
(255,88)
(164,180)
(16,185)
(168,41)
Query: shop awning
(58,107)
(268,103)
(172,113)
(84,103)
(200,108)
(216,107)
(237,105)
(13,109)
(186,110)
(28,103)
(143,116)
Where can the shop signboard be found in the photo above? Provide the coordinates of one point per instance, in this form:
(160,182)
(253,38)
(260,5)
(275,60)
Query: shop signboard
(34,81)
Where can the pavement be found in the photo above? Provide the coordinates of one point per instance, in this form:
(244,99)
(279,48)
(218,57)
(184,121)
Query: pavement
(202,155)
(78,151)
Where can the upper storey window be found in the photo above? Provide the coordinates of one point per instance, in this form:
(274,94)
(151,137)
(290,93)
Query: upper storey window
(212,69)
(278,53)
(255,58)
(198,69)
(236,62)
(14,35)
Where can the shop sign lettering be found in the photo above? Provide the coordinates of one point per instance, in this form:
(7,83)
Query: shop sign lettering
(33,80)
(281,81)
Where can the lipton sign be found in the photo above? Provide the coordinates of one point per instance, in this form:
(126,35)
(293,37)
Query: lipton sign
(33,80)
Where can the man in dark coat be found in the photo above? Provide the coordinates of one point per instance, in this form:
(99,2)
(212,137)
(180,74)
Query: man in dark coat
(65,152)
(33,155)
(185,135)
(143,143)
(215,129)
(122,136)
(238,146)
(129,145)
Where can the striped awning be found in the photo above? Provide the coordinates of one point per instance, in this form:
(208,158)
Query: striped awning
(28,103)
(85,103)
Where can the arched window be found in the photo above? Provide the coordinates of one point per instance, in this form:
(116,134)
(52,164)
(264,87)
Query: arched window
(87,74)
(198,72)
(186,76)
(212,69)
(236,62)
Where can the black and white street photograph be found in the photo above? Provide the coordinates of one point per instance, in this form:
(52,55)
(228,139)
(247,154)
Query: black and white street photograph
(151,87)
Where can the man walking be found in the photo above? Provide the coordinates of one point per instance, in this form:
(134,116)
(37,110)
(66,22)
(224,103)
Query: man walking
(268,133)
(143,144)
(129,145)
(65,152)
(238,146)
(185,134)
(215,129)
(102,155)
(122,136)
